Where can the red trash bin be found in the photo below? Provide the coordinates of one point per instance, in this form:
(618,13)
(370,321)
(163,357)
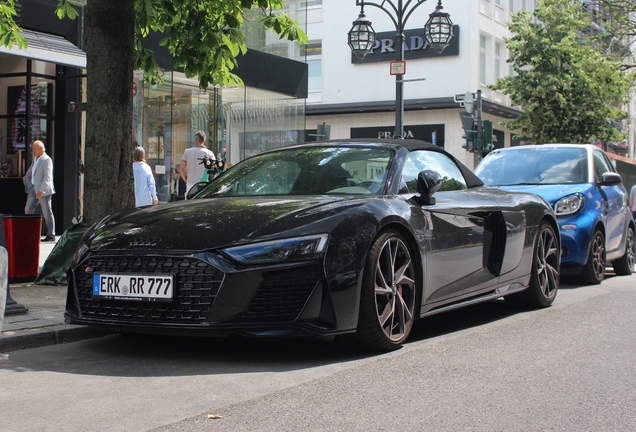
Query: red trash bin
(22,242)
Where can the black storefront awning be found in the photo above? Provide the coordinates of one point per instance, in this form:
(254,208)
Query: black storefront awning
(48,48)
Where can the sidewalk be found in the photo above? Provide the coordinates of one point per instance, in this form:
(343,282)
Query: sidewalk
(43,324)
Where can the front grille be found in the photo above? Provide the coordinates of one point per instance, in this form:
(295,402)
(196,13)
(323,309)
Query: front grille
(196,286)
(282,297)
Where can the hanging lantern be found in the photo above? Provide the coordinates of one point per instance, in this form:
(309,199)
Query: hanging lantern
(439,29)
(361,36)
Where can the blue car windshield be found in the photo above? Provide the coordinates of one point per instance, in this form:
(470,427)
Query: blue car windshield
(346,170)
(534,166)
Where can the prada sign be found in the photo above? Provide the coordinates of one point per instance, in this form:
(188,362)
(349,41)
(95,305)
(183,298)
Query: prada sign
(415,46)
(434,133)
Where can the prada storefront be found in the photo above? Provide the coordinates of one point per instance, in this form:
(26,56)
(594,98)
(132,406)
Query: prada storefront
(41,97)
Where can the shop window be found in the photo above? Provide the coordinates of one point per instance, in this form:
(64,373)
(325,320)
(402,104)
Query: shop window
(313,53)
(482,60)
(497,61)
(165,118)
(26,112)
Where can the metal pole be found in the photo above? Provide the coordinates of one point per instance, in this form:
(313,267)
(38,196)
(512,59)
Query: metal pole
(480,128)
(399,82)
(399,90)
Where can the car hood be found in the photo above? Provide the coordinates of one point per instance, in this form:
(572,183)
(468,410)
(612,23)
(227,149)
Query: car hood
(219,222)
(550,193)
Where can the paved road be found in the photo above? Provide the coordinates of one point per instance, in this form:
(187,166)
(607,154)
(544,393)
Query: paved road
(570,367)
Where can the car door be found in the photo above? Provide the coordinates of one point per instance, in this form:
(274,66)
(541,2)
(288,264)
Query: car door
(456,232)
(615,209)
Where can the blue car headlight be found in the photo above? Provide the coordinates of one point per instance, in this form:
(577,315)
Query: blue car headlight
(280,251)
(569,205)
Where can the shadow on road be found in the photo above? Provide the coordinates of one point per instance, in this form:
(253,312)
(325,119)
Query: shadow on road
(164,356)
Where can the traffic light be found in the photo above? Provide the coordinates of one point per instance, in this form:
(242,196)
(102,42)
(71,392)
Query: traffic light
(473,141)
(470,130)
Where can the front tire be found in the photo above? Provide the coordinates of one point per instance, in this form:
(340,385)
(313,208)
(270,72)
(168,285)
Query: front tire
(624,266)
(388,296)
(544,276)
(594,271)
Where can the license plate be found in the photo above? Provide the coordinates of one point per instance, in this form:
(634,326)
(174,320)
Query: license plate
(133,287)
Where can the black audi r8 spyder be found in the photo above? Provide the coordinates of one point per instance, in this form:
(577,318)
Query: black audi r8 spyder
(358,237)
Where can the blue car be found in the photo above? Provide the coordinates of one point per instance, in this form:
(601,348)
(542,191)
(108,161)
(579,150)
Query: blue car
(581,184)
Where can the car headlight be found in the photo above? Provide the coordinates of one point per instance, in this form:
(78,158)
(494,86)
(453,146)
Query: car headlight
(285,250)
(569,205)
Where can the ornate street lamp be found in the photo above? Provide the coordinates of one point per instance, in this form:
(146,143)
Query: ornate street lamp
(361,36)
(438,31)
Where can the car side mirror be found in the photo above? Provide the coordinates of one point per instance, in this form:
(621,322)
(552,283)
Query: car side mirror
(428,182)
(195,189)
(611,179)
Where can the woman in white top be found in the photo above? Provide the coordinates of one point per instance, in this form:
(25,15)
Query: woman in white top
(145,191)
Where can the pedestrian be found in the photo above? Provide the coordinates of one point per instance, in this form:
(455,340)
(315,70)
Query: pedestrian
(145,190)
(38,184)
(192,170)
(632,201)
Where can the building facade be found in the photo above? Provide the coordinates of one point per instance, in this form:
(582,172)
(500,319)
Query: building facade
(357,98)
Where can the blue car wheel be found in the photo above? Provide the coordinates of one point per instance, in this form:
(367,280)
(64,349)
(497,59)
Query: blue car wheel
(594,271)
(624,266)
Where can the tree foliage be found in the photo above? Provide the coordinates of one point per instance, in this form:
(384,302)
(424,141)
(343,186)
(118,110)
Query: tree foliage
(204,36)
(569,91)
(9,30)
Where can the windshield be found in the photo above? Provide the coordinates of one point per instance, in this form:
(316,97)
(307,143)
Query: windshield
(306,171)
(521,166)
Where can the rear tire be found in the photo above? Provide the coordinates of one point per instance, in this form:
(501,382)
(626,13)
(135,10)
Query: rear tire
(624,266)
(594,271)
(544,275)
(388,296)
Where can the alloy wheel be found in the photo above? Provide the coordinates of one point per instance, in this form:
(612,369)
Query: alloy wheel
(629,249)
(547,260)
(395,289)
(598,256)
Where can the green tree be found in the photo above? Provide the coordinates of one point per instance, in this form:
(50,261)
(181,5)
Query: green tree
(569,91)
(204,38)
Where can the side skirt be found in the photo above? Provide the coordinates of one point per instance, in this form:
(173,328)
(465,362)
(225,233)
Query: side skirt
(499,292)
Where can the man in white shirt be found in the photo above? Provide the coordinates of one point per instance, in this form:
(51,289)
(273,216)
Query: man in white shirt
(38,184)
(192,170)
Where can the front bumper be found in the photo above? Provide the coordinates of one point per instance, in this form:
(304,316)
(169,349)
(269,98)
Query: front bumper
(212,297)
(576,236)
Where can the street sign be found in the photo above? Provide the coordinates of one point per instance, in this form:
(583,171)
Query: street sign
(469,102)
(398,68)
(468,123)
(460,97)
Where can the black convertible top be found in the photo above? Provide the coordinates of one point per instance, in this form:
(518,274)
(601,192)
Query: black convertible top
(410,144)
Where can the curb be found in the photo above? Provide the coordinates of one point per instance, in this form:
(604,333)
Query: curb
(36,338)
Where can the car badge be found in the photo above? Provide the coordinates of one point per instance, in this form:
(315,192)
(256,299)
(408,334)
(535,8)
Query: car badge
(145,242)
